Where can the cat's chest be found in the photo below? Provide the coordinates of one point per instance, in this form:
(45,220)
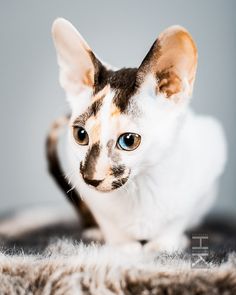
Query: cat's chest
(139,212)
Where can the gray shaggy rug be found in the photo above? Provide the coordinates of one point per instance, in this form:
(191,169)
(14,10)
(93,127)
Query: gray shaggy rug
(48,257)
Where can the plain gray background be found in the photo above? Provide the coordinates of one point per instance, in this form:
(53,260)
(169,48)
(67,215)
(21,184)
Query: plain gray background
(120,32)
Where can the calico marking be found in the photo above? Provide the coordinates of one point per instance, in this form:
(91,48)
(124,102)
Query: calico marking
(91,111)
(88,168)
(55,169)
(123,81)
(118,183)
(118,171)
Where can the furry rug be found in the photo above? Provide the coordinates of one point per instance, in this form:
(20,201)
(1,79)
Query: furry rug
(50,258)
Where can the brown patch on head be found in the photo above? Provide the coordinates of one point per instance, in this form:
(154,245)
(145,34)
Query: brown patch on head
(123,81)
(95,107)
(88,168)
(125,84)
(172,60)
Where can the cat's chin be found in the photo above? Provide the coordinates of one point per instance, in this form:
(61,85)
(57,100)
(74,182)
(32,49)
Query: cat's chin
(105,190)
(108,189)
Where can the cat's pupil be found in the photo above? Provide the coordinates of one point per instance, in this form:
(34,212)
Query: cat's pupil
(81,134)
(129,139)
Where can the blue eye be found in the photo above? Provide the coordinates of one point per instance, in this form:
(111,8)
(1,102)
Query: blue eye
(128,141)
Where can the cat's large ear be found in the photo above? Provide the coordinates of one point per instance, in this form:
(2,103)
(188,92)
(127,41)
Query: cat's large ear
(171,64)
(75,58)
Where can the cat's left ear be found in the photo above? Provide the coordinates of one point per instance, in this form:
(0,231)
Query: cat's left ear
(170,65)
(75,58)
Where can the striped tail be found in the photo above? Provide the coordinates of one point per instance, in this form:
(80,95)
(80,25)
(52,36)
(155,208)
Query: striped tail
(56,171)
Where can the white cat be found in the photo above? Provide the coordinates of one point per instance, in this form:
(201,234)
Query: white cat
(143,162)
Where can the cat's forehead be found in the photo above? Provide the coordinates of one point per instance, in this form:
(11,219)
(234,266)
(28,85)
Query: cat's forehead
(111,97)
(107,103)
(123,83)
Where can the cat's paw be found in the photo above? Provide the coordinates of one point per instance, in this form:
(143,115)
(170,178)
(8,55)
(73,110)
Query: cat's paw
(167,244)
(93,234)
(129,248)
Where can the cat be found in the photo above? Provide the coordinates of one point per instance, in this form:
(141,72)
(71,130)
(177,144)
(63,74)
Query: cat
(143,165)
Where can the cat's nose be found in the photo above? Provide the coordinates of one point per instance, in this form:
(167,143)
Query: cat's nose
(93,182)
(143,242)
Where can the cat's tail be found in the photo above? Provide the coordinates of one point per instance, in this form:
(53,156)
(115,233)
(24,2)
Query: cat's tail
(56,171)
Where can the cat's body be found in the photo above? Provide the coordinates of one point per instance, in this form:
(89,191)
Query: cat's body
(166,197)
(146,166)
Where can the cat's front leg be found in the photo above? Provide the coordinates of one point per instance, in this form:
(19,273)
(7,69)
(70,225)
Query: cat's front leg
(123,245)
(118,240)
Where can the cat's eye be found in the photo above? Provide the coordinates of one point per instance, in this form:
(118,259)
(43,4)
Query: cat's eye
(128,141)
(80,135)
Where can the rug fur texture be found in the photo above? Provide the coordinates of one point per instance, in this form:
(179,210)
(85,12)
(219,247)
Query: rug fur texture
(51,258)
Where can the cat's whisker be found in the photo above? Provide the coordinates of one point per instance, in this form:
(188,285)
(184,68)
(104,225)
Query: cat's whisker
(71,189)
(70,175)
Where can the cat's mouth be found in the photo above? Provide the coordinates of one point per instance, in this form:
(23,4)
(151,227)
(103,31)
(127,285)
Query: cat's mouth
(116,178)
(106,185)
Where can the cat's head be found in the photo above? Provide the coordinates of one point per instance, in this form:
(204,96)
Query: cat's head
(123,121)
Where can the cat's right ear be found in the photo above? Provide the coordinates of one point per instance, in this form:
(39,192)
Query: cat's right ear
(170,65)
(76,60)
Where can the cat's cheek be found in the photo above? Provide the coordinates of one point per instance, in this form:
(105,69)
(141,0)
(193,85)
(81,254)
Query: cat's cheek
(79,151)
(132,166)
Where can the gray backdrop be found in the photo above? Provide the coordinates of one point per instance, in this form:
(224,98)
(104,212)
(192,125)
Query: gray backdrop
(121,32)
